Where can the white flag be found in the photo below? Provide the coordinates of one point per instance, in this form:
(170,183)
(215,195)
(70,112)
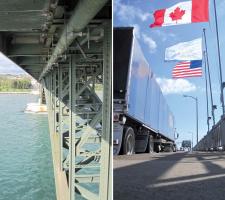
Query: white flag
(191,50)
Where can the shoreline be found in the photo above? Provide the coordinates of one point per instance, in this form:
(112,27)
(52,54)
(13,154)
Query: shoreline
(30,92)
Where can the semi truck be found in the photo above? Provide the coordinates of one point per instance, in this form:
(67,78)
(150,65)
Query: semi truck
(142,119)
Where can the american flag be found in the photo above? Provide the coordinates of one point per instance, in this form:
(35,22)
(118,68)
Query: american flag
(187,69)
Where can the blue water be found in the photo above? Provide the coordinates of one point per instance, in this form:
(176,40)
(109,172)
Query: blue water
(26,169)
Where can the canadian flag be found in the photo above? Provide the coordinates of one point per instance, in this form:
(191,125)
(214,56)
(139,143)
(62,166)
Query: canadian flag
(182,13)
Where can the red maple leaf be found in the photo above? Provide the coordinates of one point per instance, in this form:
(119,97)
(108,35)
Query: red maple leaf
(177,14)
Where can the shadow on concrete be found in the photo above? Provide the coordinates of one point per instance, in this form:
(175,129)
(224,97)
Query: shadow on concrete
(142,181)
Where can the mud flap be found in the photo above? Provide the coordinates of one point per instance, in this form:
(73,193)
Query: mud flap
(117,137)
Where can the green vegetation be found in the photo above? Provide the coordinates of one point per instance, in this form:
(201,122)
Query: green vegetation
(98,87)
(15,84)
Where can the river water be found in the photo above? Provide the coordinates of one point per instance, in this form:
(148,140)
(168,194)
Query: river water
(26,169)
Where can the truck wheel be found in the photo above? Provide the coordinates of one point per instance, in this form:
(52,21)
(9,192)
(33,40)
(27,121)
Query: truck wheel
(149,148)
(158,148)
(129,141)
(174,148)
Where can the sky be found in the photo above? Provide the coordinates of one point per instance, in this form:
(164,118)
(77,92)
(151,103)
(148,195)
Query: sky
(9,67)
(154,41)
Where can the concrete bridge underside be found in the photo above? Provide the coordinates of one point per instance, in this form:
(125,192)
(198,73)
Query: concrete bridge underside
(66,46)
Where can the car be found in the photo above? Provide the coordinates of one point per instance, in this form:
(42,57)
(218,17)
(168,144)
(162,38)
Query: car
(220,148)
(211,149)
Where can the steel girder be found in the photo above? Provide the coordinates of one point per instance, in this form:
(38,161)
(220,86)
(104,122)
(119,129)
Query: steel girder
(84,12)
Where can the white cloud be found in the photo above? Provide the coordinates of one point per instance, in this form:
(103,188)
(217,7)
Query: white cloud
(164,35)
(149,42)
(175,86)
(128,13)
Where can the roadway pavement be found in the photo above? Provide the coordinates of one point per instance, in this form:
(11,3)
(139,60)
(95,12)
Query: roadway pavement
(170,176)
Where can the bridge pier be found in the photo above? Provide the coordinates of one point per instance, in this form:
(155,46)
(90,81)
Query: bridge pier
(42,95)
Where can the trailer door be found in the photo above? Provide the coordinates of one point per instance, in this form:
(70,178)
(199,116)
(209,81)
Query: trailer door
(122,45)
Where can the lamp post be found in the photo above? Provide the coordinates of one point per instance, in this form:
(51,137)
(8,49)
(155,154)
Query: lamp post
(196,101)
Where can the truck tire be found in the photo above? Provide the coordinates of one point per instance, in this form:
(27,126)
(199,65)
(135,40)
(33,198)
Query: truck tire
(174,148)
(168,148)
(158,148)
(149,148)
(128,146)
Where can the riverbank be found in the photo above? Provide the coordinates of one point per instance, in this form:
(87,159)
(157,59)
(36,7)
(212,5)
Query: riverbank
(15,92)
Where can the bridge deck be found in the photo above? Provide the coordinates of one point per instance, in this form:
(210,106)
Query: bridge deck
(169,176)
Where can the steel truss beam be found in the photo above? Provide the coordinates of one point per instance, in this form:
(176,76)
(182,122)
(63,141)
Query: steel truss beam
(84,12)
(78,94)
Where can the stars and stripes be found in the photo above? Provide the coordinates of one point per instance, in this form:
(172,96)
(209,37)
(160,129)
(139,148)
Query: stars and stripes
(187,69)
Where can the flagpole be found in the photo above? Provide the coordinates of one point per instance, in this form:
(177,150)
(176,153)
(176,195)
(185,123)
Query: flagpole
(210,85)
(220,66)
(206,86)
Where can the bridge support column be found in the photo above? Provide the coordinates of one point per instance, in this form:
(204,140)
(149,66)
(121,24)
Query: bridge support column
(106,148)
